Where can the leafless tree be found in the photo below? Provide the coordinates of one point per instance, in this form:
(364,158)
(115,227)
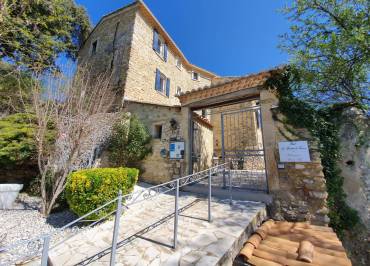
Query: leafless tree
(65,104)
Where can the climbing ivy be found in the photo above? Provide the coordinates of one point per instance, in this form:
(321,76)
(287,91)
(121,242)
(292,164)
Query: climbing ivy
(322,126)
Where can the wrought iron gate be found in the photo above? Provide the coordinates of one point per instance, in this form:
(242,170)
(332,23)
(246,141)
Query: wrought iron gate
(242,144)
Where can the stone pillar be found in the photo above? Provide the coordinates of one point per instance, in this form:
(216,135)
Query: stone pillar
(302,186)
(186,132)
(267,101)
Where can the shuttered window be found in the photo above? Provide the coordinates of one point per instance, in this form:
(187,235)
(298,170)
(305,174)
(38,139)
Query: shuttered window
(162,83)
(168,87)
(156,41)
(159,45)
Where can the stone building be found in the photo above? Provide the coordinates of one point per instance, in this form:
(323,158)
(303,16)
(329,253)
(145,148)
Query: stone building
(180,104)
(148,70)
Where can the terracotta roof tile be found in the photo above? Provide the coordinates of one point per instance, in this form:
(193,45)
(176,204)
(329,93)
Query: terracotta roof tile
(295,244)
(255,79)
(202,120)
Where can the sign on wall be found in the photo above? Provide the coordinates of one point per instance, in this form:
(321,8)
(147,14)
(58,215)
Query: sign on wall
(177,150)
(294,151)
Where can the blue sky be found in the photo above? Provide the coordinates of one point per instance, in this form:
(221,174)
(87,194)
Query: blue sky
(228,37)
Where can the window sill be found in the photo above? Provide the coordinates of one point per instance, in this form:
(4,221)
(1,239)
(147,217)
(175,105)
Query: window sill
(162,94)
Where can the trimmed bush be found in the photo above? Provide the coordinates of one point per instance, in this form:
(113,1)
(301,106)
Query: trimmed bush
(88,189)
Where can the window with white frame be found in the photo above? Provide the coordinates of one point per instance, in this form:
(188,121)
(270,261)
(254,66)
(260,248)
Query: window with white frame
(159,45)
(195,75)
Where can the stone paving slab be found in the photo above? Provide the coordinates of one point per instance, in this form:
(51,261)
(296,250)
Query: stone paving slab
(199,242)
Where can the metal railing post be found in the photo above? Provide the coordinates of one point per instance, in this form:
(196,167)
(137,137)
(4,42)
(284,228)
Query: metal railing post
(176,222)
(230,188)
(209,194)
(45,251)
(116,229)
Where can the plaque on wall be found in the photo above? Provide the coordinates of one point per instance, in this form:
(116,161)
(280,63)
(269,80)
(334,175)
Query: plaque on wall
(177,150)
(294,151)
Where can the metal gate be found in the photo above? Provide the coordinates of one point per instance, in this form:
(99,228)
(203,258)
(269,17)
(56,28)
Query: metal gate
(242,144)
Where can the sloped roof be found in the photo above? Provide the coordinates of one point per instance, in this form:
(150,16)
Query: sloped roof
(281,243)
(202,120)
(255,79)
(144,9)
(221,86)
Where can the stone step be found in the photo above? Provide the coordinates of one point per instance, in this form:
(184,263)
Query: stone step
(223,193)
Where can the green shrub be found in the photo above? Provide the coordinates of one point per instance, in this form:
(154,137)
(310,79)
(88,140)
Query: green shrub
(130,142)
(88,189)
(17,139)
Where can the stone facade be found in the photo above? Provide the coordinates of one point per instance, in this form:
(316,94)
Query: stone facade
(354,162)
(122,44)
(157,167)
(202,145)
(113,36)
(298,189)
(142,69)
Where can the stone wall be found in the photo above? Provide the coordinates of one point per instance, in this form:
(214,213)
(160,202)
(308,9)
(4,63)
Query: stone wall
(113,36)
(157,167)
(202,145)
(142,69)
(354,162)
(298,189)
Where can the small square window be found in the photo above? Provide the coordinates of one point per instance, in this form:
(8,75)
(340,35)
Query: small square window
(178,63)
(195,76)
(94,47)
(178,91)
(158,132)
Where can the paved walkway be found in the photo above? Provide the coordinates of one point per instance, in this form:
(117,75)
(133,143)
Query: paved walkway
(199,242)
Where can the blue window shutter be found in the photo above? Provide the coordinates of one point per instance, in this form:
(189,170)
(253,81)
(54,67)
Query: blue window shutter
(157,80)
(165,52)
(155,40)
(168,87)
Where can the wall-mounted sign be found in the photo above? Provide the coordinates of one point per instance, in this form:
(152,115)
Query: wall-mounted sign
(163,153)
(177,149)
(294,151)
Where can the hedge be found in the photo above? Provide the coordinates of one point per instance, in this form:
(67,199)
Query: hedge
(88,189)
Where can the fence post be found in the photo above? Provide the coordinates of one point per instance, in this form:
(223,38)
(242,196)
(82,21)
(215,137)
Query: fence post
(116,229)
(176,222)
(45,251)
(230,188)
(209,194)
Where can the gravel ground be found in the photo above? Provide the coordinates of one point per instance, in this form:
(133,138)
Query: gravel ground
(25,222)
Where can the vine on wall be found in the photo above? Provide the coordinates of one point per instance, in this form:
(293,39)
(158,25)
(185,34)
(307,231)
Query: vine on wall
(322,126)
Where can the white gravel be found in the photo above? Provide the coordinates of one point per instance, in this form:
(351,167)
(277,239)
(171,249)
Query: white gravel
(25,222)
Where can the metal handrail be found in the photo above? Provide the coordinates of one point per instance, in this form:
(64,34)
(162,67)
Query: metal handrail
(146,194)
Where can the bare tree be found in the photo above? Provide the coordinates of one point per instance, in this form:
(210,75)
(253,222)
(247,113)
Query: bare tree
(65,104)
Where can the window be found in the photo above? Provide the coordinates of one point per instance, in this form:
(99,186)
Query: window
(162,83)
(178,63)
(178,91)
(94,46)
(159,45)
(157,131)
(195,76)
